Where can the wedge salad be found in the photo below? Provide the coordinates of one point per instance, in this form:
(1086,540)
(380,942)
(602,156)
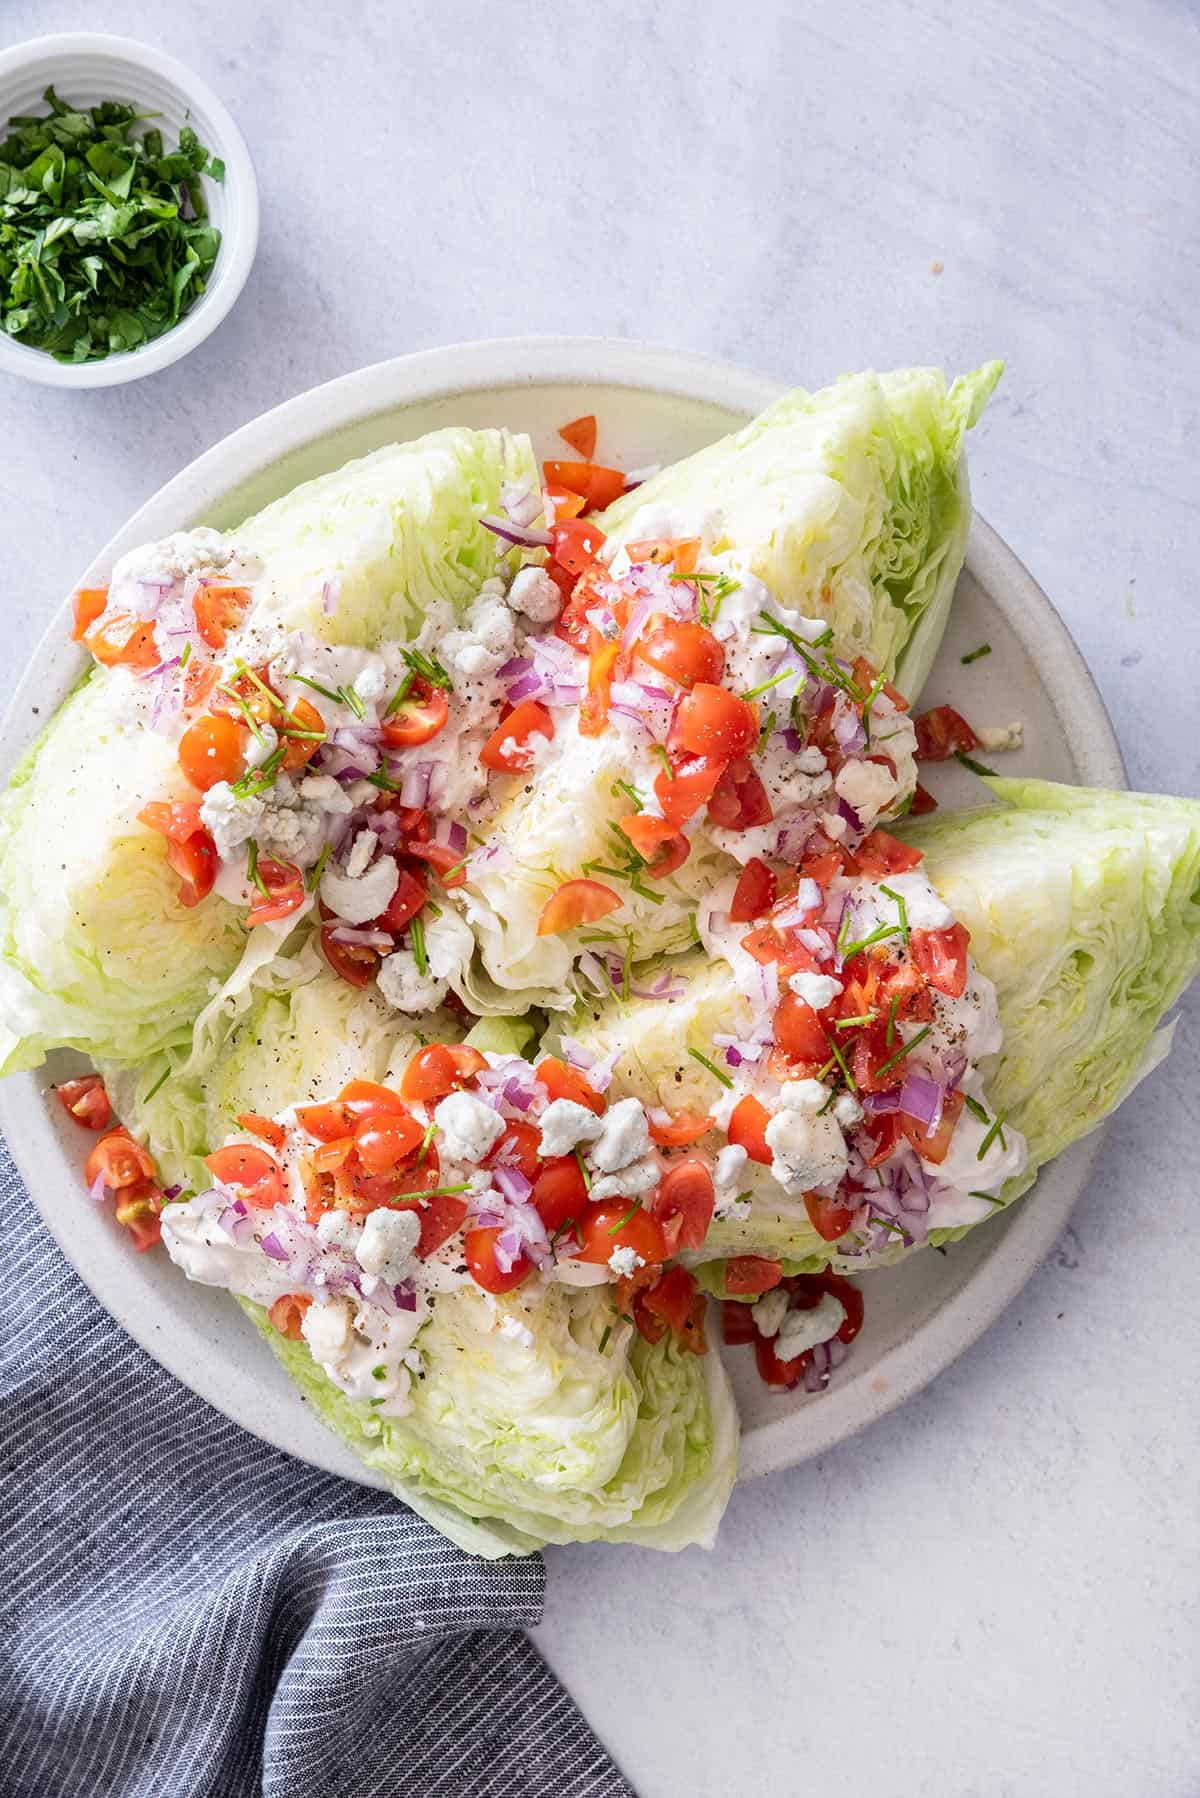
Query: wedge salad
(491,904)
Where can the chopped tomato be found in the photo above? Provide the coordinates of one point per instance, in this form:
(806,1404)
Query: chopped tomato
(737,1323)
(122,1161)
(580,597)
(906,985)
(267,1128)
(407,900)
(212,750)
(739,799)
(597,485)
(754,893)
(564,1082)
(768,943)
(519,1147)
(480,1249)
(577,543)
(383,1142)
(577,902)
(675,1300)
(367,1098)
(922,802)
(218,611)
(941,733)
(799,1031)
(446,862)
(287,1315)
(683,552)
(137,1210)
(561,505)
(617,1224)
(748,1126)
(829,1219)
(440,1217)
(86,1101)
(418,717)
(872,1054)
(747,1276)
(686,1191)
(254,1174)
(285,892)
(807,1291)
(602,671)
(933,1145)
(299,749)
(865,676)
(125,641)
(712,721)
(177,820)
(195,862)
(941,955)
(782,1375)
(684,652)
(879,855)
(440,1068)
(690,783)
(328,1121)
(199,679)
(823,862)
(559,1192)
(89,602)
(355,963)
(663,848)
(581,434)
(509,749)
(253,692)
(679,1131)
(333,1155)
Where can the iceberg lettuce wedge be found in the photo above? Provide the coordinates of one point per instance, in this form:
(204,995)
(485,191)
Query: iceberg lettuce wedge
(572,1428)
(358,556)
(98,953)
(851,504)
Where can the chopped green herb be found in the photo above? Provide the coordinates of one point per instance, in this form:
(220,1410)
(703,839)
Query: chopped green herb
(446,1192)
(627,971)
(976,655)
(423,1151)
(712,1068)
(659,749)
(990,1197)
(885,1067)
(401,694)
(866,1017)
(891,1021)
(766,685)
(604,1338)
(257,780)
(879,935)
(975,767)
(631,793)
(342,695)
(383,782)
(379,1373)
(997,1130)
(248,718)
(582,1166)
(252,873)
(568,1223)
(885,1223)
(428,667)
(976,1109)
(764,735)
(901,907)
(105,241)
(416,935)
(186,657)
(158,1084)
(826,669)
(316,872)
(631,1213)
(836,1052)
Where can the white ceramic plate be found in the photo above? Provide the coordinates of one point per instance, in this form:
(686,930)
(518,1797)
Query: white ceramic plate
(653,405)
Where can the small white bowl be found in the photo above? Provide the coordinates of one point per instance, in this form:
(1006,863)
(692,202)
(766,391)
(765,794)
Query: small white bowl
(86,67)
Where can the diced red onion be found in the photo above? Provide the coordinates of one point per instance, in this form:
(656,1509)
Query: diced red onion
(458,837)
(880,1104)
(512,1183)
(356,737)
(793,739)
(921,1098)
(733,1056)
(507,1249)
(524,536)
(486,1219)
(161,668)
(529,686)
(414,787)
(517,1095)
(98,1189)
(330,593)
(848,814)
(515,665)
(521,503)
(361,939)
(642,609)
(272,1246)
(405,1295)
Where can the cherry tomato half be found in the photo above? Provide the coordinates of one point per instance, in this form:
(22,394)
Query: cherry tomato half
(86,1101)
(479,1248)
(576,902)
(418,717)
(254,1173)
(684,652)
(212,750)
(509,749)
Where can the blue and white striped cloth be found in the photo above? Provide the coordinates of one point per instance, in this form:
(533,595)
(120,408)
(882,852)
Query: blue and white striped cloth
(187,1613)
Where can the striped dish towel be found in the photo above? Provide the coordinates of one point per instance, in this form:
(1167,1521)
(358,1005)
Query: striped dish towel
(187,1613)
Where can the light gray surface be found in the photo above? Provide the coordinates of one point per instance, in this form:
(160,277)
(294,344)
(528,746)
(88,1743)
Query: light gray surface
(993,1591)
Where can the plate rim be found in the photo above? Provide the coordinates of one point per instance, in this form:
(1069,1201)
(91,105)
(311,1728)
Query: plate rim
(530,361)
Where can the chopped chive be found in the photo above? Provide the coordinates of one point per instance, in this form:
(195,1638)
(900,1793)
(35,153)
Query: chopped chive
(186,657)
(975,767)
(764,735)
(252,873)
(428,667)
(416,934)
(425,1142)
(766,685)
(631,1213)
(830,1102)
(401,694)
(827,1069)
(645,892)
(587,1178)
(351,699)
(379,1373)
(659,749)
(885,1223)
(248,718)
(836,1052)
(257,780)
(444,1192)
(990,1197)
(383,782)
(879,935)
(158,1084)
(631,793)
(338,696)
(604,1338)
(902,1051)
(891,1023)
(976,655)
(867,1017)
(568,1223)
(627,971)
(976,1109)
(901,907)
(712,1068)
(997,1130)
(316,872)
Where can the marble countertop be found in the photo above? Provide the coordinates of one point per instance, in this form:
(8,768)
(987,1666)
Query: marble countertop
(993,1591)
